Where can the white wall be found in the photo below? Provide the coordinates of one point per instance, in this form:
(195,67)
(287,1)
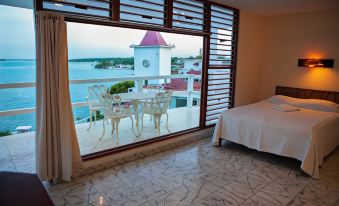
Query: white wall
(165,61)
(159,58)
(249,59)
(290,38)
(149,53)
(269,48)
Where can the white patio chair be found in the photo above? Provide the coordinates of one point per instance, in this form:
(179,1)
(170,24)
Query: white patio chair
(115,111)
(156,107)
(93,101)
(154,89)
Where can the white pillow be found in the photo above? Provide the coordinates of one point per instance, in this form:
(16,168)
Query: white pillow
(285,108)
(281,99)
(318,104)
(314,104)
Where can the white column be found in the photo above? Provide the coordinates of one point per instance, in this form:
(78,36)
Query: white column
(190,90)
(139,85)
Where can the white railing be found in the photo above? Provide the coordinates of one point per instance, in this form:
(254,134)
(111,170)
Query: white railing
(189,93)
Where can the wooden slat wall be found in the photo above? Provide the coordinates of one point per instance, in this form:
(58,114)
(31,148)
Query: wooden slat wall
(221,61)
(150,12)
(90,8)
(188,14)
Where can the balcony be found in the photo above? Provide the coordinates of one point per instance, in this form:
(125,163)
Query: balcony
(18,150)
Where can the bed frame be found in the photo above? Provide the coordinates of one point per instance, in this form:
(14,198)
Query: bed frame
(307,93)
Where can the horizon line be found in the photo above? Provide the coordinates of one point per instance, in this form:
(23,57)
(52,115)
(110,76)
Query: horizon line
(4,59)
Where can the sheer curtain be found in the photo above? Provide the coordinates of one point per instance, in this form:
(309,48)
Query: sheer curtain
(57,148)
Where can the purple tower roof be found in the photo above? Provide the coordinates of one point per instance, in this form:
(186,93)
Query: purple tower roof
(153,38)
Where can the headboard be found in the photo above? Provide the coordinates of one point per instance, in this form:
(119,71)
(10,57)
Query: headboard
(307,93)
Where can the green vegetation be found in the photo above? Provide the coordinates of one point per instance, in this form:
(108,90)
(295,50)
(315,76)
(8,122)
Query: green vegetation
(114,62)
(93,59)
(198,57)
(121,87)
(174,60)
(99,116)
(78,118)
(5,133)
(104,65)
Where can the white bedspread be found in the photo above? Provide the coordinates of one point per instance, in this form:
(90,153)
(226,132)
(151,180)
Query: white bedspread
(306,135)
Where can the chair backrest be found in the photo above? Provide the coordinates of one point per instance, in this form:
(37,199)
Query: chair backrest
(112,106)
(116,100)
(95,92)
(154,88)
(161,102)
(106,101)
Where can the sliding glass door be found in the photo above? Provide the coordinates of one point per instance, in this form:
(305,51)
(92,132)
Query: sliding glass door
(155,75)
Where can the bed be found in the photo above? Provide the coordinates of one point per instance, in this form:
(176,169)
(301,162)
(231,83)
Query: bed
(307,134)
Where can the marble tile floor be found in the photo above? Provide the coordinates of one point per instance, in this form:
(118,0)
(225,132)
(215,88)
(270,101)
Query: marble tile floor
(17,152)
(200,174)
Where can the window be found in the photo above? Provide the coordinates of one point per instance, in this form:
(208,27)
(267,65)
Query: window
(133,62)
(17,91)
(215,24)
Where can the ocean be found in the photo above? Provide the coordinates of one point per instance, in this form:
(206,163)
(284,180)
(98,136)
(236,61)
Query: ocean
(24,71)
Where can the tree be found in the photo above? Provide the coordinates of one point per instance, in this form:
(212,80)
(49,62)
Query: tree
(104,64)
(121,87)
(5,133)
(174,60)
(98,115)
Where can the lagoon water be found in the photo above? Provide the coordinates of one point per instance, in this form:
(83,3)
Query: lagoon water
(24,71)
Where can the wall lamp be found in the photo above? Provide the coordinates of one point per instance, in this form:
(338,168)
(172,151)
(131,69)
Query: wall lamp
(312,63)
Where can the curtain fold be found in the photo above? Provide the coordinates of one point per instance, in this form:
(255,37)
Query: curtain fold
(57,148)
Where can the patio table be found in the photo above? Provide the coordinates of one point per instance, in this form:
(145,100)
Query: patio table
(135,97)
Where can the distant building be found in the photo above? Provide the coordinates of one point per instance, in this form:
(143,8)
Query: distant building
(189,64)
(194,72)
(152,57)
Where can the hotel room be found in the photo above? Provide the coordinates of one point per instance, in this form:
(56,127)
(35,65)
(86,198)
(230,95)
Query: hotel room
(169,102)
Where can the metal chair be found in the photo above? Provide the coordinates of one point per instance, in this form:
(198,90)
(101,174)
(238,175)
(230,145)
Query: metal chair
(115,111)
(154,89)
(93,101)
(156,107)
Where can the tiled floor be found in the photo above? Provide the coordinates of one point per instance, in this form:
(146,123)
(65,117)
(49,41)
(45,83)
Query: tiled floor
(179,119)
(200,174)
(17,152)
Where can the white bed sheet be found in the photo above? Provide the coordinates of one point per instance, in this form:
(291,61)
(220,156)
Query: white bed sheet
(306,135)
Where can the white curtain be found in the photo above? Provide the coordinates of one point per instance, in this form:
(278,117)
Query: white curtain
(57,148)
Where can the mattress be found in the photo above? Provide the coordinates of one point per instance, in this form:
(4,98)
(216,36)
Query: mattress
(306,135)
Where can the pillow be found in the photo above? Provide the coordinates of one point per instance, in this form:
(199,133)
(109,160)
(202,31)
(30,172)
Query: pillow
(318,104)
(314,104)
(281,99)
(285,108)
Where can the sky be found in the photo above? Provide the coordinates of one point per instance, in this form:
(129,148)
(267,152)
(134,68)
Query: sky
(84,40)
(17,37)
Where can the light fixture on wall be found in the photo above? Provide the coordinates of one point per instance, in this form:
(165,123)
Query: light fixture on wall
(312,63)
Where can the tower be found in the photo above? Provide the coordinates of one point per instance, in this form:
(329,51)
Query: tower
(152,57)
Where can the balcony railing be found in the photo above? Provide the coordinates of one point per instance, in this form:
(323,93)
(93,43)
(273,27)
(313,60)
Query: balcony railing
(189,92)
